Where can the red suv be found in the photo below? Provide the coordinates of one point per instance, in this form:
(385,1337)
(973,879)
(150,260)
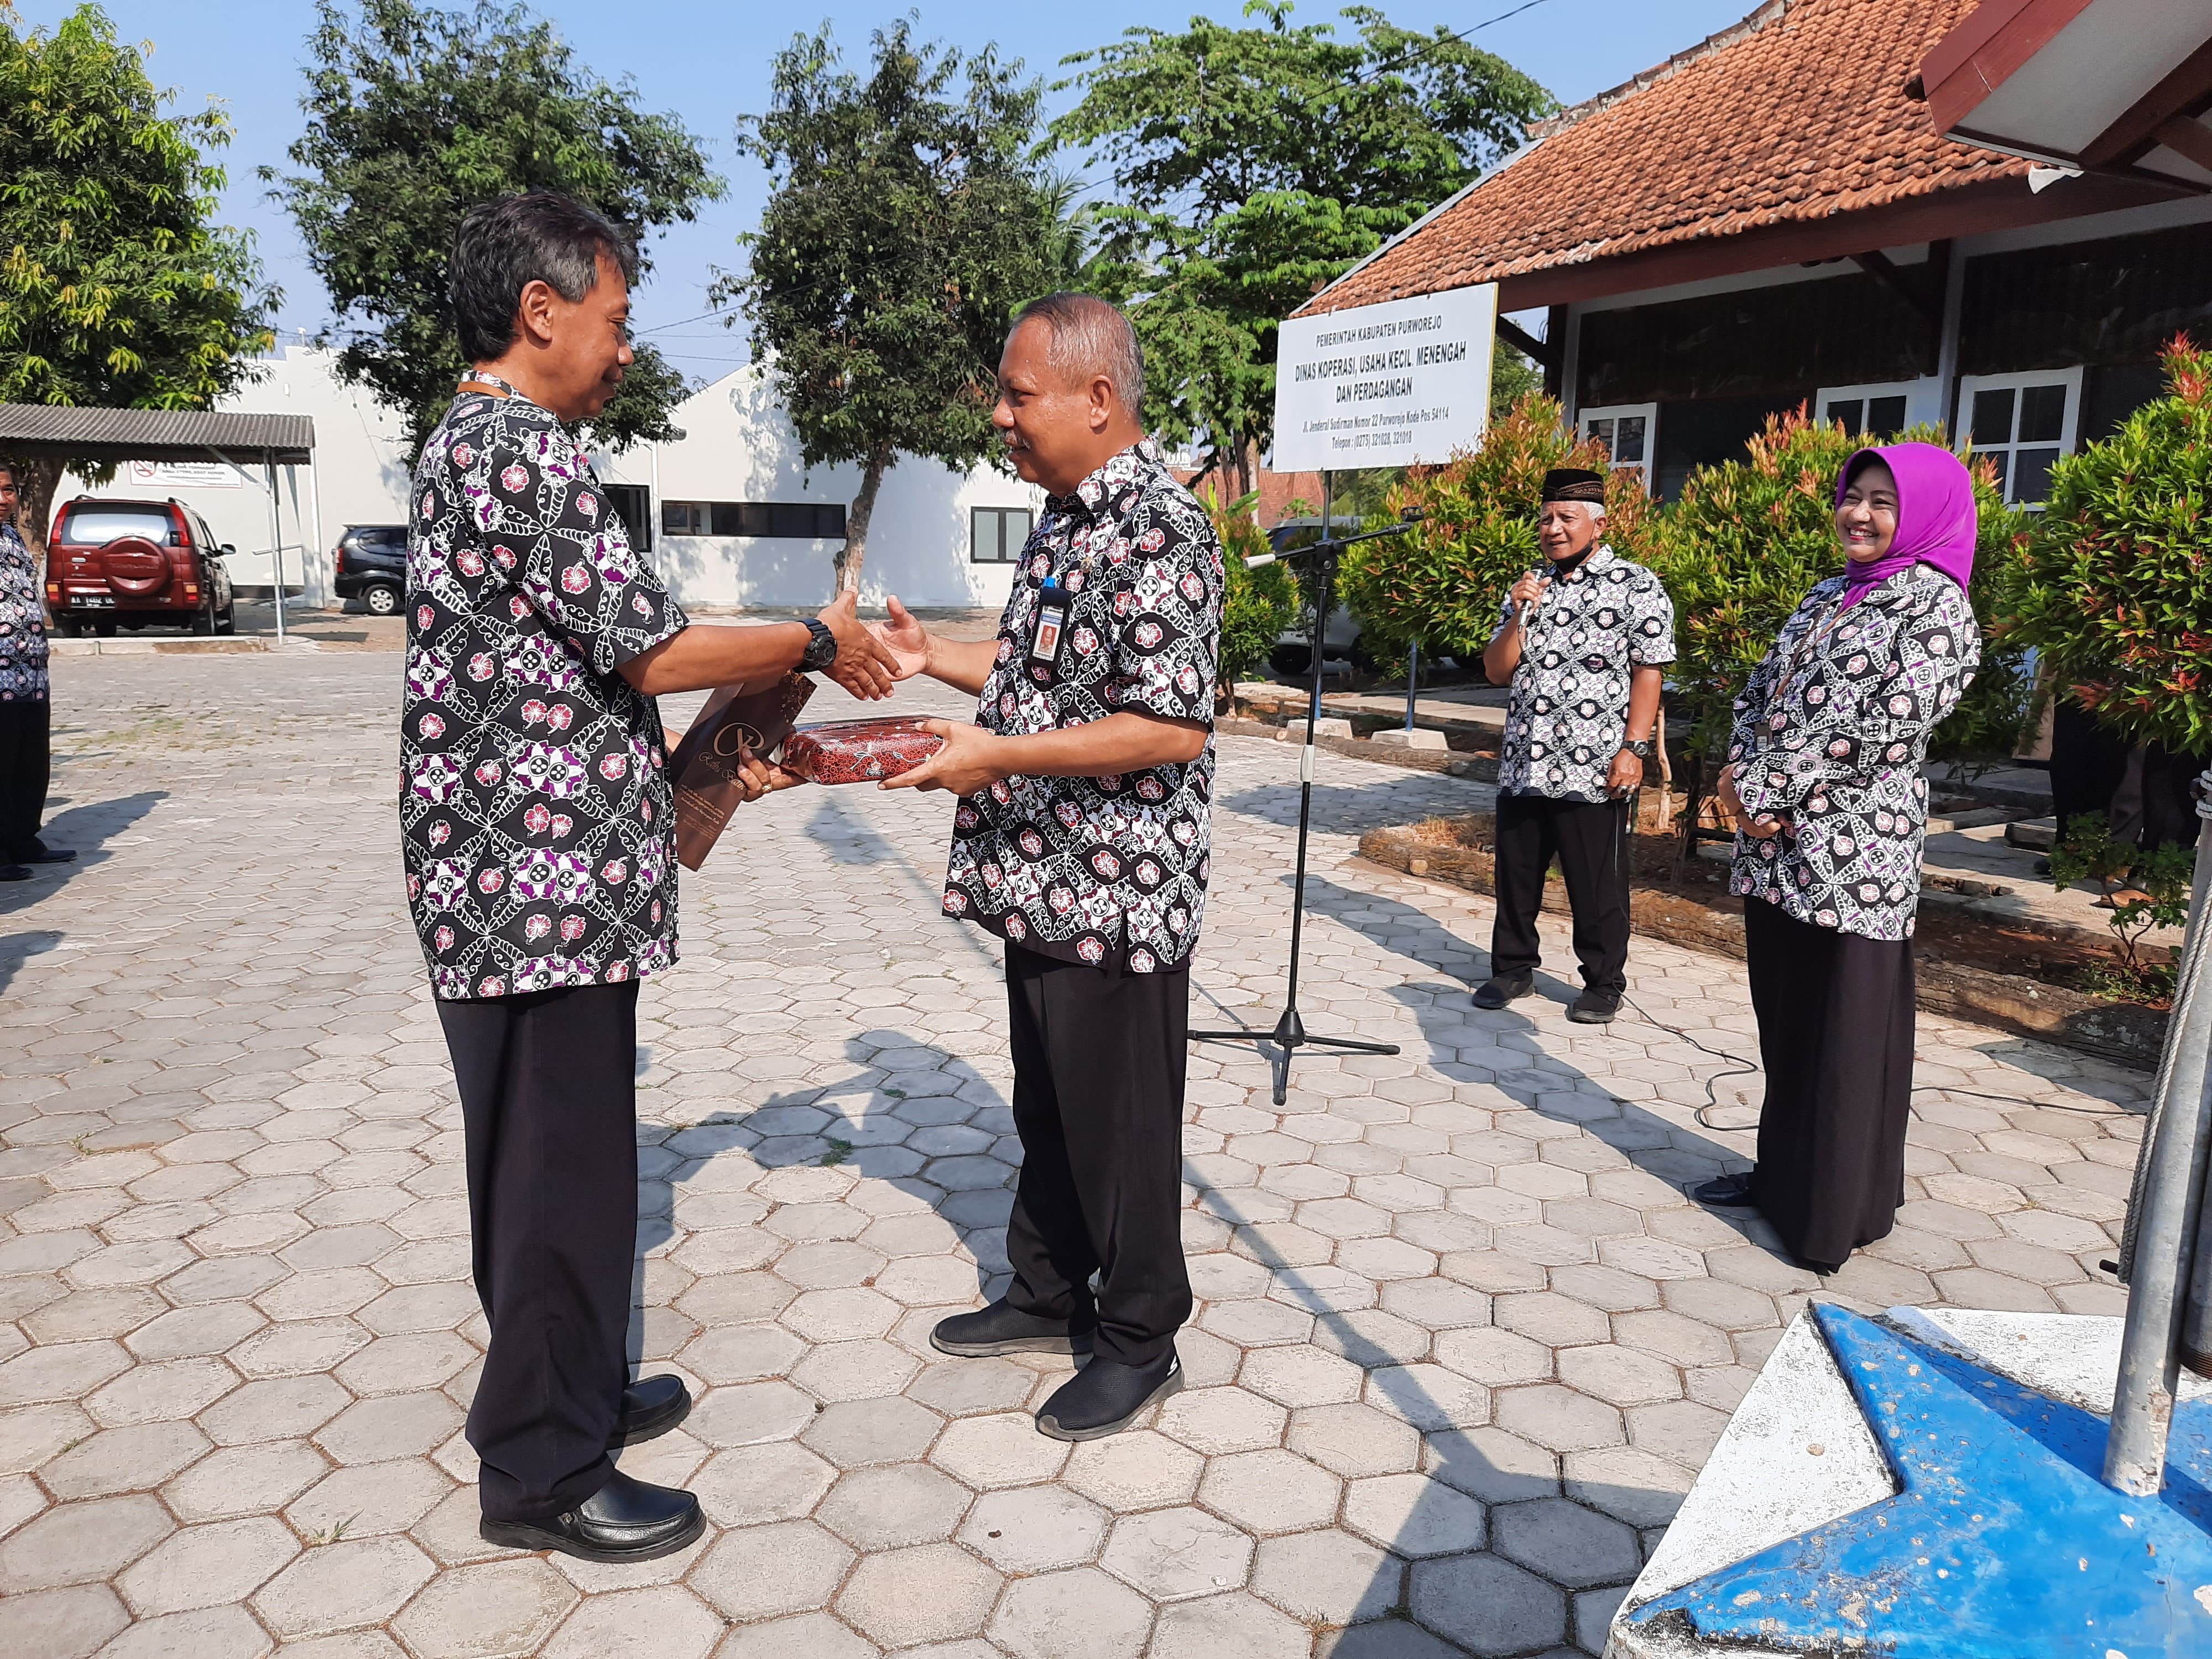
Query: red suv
(115,564)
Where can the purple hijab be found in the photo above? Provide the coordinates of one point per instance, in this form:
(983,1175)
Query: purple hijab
(1935,521)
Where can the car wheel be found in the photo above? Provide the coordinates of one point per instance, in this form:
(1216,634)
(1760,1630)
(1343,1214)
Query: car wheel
(226,621)
(202,621)
(380,600)
(104,629)
(1291,661)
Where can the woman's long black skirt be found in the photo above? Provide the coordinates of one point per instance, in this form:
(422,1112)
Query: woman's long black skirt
(1835,1032)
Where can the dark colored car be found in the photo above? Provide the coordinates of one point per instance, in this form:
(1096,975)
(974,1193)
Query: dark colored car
(370,563)
(113,564)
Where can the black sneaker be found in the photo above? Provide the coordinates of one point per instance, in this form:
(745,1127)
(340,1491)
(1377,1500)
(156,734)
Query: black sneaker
(625,1520)
(1728,1192)
(1104,1397)
(650,1408)
(1001,1329)
(1594,1008)
(1504,988)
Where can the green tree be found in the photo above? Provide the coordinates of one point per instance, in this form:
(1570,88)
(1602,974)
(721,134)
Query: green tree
(1442,584)
(415,116)
(1253,165)
(1256,605)
(906,223)
(1746,538)
(2115,588)
(116,287)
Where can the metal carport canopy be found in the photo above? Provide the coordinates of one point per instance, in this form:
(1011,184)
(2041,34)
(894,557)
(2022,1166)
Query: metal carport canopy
(30,430)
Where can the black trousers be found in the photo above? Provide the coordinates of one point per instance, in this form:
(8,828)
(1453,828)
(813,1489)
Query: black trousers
(1590,840)
(25,768)
(1835,1033)
(1099,1083)
(549,1109)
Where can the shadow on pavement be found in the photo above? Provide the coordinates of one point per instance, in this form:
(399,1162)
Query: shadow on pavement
(87,829)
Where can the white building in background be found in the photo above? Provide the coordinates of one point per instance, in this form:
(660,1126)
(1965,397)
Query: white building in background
(728,514)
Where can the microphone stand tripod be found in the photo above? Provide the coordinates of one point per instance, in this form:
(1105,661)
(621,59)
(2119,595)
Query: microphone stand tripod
(1290,1034)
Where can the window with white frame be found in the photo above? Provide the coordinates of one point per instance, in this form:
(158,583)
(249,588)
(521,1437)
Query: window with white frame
(1878,410)
(2023,422)
(1628,431)
(996,534)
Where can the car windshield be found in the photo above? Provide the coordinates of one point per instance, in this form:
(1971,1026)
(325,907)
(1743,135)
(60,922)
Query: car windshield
(96,526)
(385,538)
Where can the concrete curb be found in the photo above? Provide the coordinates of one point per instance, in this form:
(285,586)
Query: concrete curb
(223,645)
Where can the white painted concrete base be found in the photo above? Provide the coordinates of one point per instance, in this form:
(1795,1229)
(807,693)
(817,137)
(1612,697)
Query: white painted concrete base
(1798,1453)
(1399,737)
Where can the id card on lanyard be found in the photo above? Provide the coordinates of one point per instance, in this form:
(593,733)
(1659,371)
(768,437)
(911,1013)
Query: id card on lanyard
(1048,625)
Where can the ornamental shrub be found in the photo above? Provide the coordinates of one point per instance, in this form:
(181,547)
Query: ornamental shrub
(2115,587)
(1745,541)
(1442,583)
(1256,605)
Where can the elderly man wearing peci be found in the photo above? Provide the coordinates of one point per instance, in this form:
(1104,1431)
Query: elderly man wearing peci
(1582,643)
(537,830)
(1082,840)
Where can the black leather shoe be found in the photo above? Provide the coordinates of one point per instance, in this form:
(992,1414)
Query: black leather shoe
(47,855)
(1103,1397)
(1728,1192)
(1502,989)
(625,1520)
(1593,1008)
(1000,1330)
(651,1406)
(15,873)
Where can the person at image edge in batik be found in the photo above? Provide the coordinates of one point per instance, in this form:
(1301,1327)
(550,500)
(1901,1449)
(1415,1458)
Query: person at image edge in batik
(1583,642)
(536,824)
(1082,839)
(1826,784)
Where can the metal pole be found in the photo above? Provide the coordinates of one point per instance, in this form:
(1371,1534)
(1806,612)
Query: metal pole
(1412,679)
(2165,1222)
(276,542)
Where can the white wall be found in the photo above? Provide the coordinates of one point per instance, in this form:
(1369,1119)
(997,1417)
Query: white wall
(738,447)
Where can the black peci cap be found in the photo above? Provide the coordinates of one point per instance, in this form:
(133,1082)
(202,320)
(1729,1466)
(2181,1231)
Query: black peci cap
(1574,484)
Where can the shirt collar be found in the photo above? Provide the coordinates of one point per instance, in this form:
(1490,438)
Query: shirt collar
(1113,488)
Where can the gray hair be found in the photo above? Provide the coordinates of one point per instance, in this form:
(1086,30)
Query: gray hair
(1090,337)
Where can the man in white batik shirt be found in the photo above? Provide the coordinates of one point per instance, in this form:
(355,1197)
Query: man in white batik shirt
(1582,643)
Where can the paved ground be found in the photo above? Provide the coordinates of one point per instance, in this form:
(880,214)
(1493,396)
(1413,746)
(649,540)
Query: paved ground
(1461,1343)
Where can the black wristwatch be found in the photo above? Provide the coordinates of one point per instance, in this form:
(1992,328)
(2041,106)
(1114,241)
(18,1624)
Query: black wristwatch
(822,649)
(1639,747)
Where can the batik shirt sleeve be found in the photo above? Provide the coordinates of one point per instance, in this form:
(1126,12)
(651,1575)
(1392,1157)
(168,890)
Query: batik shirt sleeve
(579,568)
(1861,709)
(1167,615)
(22,623)
(1651,623)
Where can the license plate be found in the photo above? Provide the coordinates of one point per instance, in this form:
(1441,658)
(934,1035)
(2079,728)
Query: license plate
(94,601)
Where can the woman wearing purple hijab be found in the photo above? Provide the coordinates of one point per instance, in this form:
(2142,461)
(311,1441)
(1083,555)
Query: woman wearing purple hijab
(1826,785)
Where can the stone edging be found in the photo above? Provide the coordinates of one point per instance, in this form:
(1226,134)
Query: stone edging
(2008,1002)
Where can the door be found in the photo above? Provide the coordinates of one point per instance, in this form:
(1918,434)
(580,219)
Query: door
(633,505)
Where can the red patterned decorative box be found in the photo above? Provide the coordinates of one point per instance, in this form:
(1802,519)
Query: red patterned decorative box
(858,751)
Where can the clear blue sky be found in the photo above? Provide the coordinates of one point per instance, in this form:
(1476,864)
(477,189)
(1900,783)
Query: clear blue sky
(707,60)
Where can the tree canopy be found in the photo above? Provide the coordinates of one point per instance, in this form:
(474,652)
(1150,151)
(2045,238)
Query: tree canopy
(414,115)
(1252,164)
(116,287)
(907,223)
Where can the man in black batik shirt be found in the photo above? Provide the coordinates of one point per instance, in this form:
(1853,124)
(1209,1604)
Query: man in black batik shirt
(1082,839)
(536,829)
(1583,644)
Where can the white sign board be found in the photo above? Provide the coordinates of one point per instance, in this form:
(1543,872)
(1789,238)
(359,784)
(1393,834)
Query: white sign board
(182,475)
(1391,385)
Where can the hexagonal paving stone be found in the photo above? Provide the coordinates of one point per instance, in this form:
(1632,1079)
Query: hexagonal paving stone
(1326,1577)
(370,1498)
(888,1508)
(1559,1417)
(930,1593)
(662,1621)
(342,1586)
(1006,1450)
(1035,1529)
(1488,1606)
(1565,1542)
(1414,1515)
(1080,1614)
(774,1481)
(488,1611)
(1176,1554)
(245,1479)
(61,1624)
(759,1572)
(1218,1420)
(1236,1626)
(1270,1492)
(856,1432)
(208,1567)
(123,1459)
(81,1543)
